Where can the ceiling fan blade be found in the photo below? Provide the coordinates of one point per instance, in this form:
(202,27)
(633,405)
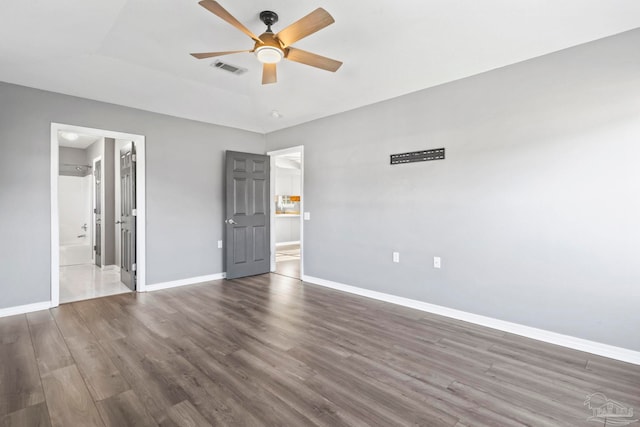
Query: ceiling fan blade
(269,74)
(212,54)
(315,21)
(308,58)
(215,8)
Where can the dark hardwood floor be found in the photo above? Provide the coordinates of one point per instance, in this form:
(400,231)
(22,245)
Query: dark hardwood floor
(269,350)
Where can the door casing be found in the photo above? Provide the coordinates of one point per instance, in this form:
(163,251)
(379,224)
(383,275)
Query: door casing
(97,242)
(139,141)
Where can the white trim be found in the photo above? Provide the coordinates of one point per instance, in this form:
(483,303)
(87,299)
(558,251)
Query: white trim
(606,350)
(293,242)
(272,216)
(141,241)
(141,212)
(55,221)
(94,201)
(22,309)
(185,282)
(272,194)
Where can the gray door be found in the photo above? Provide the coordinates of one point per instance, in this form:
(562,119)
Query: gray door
(247,215)
(128,216)
(97,244)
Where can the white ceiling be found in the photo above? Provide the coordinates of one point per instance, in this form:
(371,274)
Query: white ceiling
(136,52)
(289,161)
(83,141)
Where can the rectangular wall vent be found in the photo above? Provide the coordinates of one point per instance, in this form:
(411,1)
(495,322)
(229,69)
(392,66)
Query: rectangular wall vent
(228,67)
(418,156)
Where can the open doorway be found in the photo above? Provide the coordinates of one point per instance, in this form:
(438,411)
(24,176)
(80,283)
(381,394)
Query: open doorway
(287,168)
(97,213)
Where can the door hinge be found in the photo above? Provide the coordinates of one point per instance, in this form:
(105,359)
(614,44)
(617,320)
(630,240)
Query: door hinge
(134,267)
(134,158)
(134,212)
(95,248)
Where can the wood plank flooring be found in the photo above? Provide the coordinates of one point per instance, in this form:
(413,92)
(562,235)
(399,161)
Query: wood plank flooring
(271,350)
(288,260)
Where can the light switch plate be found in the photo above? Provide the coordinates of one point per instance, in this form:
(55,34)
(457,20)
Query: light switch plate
(437,263)
(396,257)
(219,244)
(307,216)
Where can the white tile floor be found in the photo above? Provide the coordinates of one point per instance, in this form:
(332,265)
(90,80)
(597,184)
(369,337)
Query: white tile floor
(85,281)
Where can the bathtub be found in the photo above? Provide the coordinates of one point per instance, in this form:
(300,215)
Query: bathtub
(75,253)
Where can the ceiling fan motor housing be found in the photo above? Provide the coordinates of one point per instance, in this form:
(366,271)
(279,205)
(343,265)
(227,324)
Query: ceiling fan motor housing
(269,18)
(269,39)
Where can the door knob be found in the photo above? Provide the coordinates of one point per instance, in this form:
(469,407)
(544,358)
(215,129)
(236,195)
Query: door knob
(119,222)
(230,221)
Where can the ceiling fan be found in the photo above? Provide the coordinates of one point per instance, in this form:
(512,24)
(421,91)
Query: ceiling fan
(271,48)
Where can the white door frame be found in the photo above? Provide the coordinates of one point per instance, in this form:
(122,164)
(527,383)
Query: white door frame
(94,204)
(139,141)
(272,195)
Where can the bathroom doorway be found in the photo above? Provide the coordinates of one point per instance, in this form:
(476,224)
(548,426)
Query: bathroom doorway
(287,212)
(97,201)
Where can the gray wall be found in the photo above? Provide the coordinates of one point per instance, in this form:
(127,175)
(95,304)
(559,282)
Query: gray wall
(184,187)
(94,151)
(535,212)
(69,158)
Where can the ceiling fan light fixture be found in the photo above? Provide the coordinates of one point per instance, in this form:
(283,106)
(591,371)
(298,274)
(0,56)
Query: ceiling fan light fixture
(271,48)
(269,54)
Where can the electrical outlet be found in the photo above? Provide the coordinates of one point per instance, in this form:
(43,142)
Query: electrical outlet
(437,262)
(396,257)
(219,244)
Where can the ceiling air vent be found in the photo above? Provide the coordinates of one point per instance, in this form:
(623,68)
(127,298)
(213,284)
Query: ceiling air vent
(228,67)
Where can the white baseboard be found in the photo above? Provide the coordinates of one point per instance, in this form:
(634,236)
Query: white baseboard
(606,350)
(184,282)
(293,242)
(22,309)
(110,267)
